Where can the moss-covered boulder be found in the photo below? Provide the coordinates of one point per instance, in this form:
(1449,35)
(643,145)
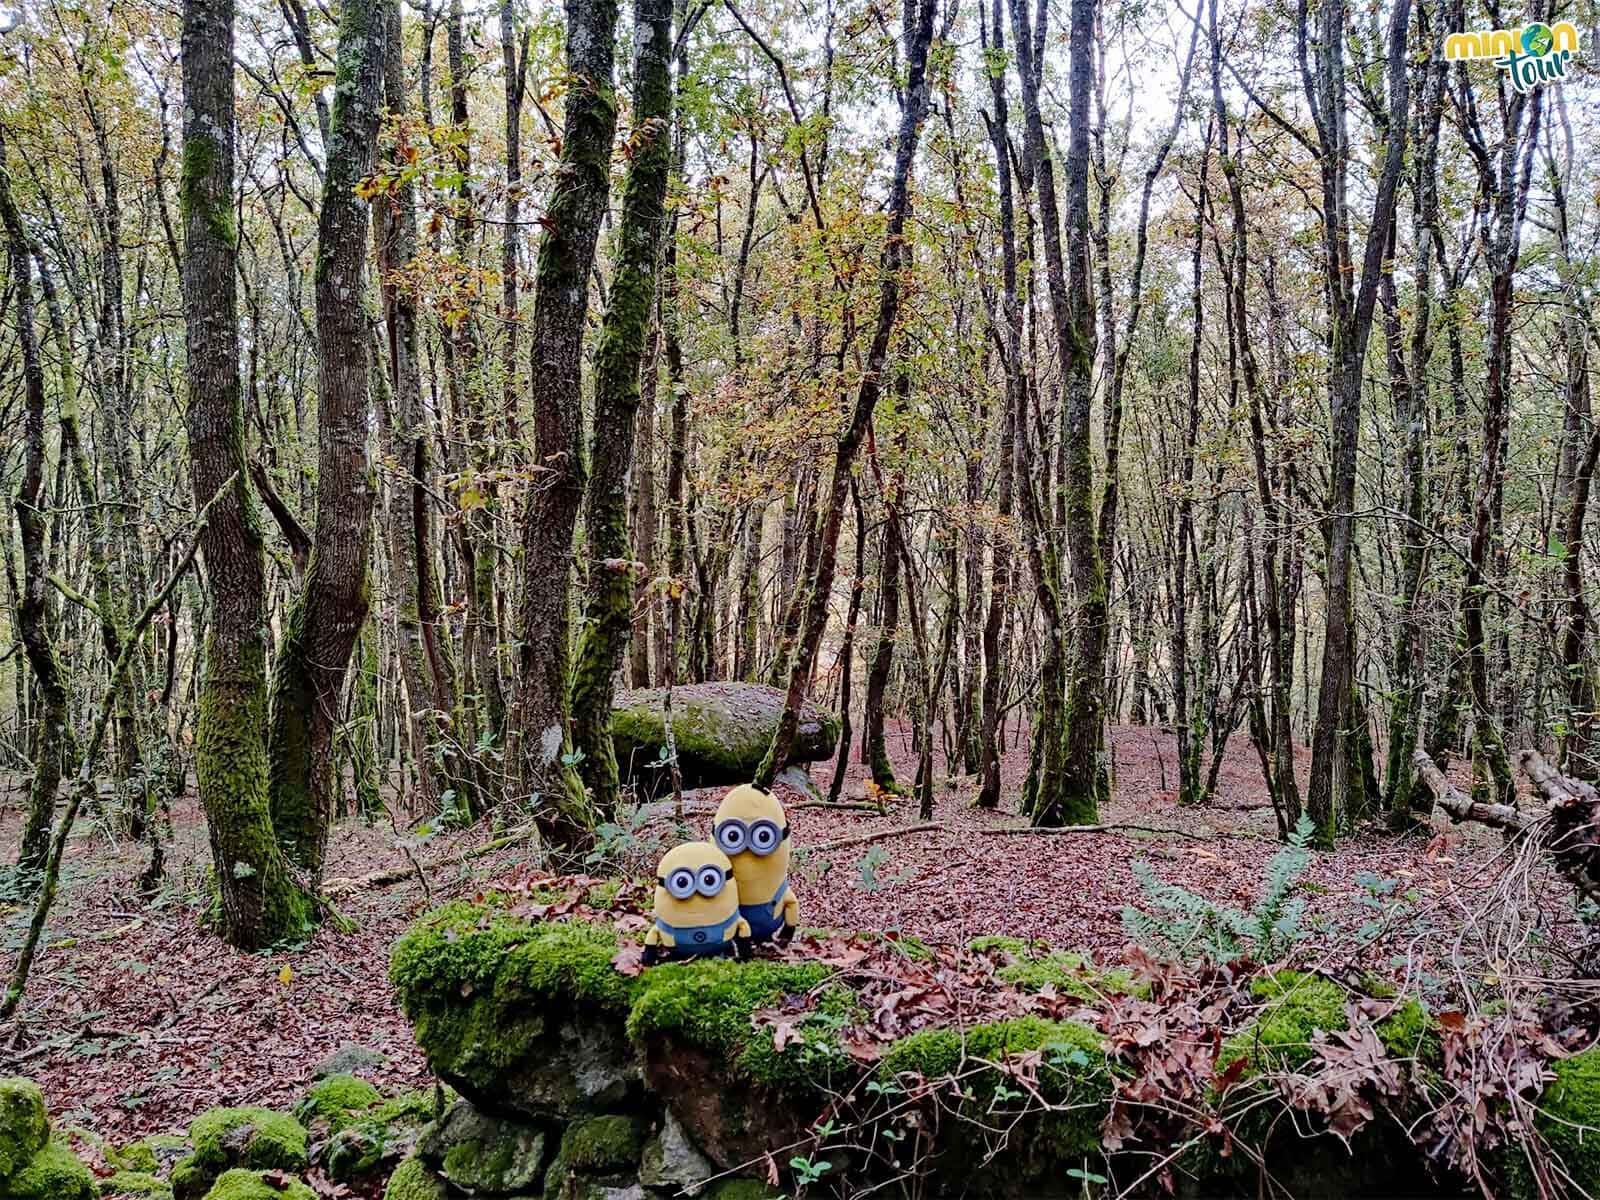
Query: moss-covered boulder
(337,1101)
(239,1184)
(484,1155)
(134,1185)
(149,1155)
(24,1125)
(54,1173)
(721,731)
(381,1137)
(413,1179)
(518,1017)
(227,1138)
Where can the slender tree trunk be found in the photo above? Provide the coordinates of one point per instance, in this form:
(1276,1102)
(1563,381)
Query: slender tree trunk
(561,302)
(33,606)
(260,902)
(326,619)
(1350,313)
(622,337)
(408,521)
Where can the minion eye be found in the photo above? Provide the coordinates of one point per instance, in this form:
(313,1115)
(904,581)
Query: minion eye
(711,881)
(681,883)
(764,837)
(731,836)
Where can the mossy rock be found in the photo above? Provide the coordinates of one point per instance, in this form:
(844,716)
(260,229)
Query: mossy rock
(149,1155)
(382,1136)
(692,1025)
(1569,1119)
(1072,1075)
(672,1161)
(518,1017)
(349,1059)
(603,1145)
(135,1185)
(413,1179)
(53,1173)
(239,1184)
(480,1153)
(338,1100)
(24,1124)
(226,1138)
(721,730)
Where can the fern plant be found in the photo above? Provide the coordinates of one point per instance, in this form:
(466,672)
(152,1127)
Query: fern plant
(1177,923)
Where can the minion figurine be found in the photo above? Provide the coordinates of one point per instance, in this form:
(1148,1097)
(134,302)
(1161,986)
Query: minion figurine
(751,830)
(697,911)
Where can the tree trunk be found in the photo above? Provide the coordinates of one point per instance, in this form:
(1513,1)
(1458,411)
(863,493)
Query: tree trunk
(561,302)
(260,903)
(608,618)
(326,619)
(33,605)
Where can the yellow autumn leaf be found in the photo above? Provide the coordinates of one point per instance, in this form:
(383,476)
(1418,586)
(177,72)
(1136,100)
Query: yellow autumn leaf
(285,973)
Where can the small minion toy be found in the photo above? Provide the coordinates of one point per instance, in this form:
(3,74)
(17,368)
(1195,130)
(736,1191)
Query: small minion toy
(697,906)
(750,829)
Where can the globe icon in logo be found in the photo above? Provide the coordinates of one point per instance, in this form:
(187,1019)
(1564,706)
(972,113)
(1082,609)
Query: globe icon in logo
(1537,39)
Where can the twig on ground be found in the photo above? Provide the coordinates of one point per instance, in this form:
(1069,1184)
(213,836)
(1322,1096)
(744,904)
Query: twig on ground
(861,839)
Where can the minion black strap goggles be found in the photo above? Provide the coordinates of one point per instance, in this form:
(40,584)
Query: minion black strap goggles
(760,838)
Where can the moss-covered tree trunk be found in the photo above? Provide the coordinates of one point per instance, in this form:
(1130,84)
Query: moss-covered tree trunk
(609,606)
(33,602)
(260,902)
(540,718)
(327,616)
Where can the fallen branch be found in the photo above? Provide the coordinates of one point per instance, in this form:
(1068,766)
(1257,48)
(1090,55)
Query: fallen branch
(861,839)
(391,875)
(1461,807)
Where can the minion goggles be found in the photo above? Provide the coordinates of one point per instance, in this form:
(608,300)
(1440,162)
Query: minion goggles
(683,883)
(761,837)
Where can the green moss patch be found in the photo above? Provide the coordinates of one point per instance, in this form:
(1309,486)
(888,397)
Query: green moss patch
(1298,1005)
(226,1138)
(24,1126)
(240,1184)
(412,1180)
(54,1173)
(1569,1118)
(708,1005)
(136,1185)
(602,1144)
(340,1100)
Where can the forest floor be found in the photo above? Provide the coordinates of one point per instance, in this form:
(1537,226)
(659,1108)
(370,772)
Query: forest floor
(137,1018)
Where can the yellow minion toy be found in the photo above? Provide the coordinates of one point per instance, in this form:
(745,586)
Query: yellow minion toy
(697,905)
(752,831)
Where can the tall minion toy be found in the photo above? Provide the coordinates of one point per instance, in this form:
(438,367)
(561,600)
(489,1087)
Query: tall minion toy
(751,830)
(697,905)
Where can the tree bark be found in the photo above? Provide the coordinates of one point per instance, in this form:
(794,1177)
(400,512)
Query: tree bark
(1350,309)
(326,619)
(561,302)
(260,902)
(33,602)
(608,615)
